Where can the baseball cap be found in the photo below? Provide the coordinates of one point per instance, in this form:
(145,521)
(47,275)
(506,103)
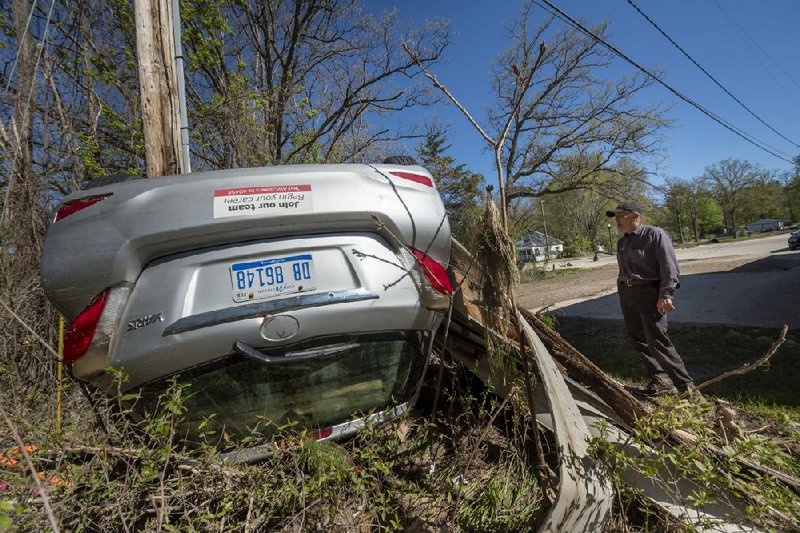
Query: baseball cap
(627,205)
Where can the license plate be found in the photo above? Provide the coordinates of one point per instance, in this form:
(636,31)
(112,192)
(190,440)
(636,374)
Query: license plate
(272,277)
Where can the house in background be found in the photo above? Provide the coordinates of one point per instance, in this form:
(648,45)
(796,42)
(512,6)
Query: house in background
(533,247)
(765,224)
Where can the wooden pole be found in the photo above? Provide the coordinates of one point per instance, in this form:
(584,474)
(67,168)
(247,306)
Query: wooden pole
(158,86)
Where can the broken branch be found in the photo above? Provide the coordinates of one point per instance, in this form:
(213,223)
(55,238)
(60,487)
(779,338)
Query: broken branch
(749,367)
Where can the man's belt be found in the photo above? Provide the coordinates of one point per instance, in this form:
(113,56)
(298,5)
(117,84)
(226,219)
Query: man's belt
(632,282)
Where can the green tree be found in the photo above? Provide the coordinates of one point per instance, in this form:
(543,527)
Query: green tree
(577,216)
(727,180)
(791,193)
(764,199)
(710,220)
(676,202)
(688,204)
(460,188)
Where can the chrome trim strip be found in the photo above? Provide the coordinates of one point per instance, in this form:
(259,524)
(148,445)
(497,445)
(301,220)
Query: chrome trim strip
(339,431)
(259,309)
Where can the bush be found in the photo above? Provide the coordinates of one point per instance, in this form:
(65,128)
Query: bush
(118,472)
(577,246)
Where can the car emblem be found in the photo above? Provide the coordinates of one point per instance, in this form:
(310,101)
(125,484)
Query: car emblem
(139,323)
(279,328)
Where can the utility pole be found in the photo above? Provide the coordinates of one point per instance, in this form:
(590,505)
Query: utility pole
(546,237)
(158,86)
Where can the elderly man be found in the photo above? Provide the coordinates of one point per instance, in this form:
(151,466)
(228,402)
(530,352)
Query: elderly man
(648,278)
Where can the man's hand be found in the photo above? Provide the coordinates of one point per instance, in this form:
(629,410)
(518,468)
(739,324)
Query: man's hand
(665,305)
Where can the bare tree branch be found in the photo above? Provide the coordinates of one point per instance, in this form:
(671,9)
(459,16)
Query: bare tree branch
(749,367)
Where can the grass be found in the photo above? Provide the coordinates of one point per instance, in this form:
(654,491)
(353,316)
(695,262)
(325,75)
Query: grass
(537,274)
(707,351)
(786,419)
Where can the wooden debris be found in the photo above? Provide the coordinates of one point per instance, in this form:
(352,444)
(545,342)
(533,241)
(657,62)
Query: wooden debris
(726,427)
(749,367)
(612,401)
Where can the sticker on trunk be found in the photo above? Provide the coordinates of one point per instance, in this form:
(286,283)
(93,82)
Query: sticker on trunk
(277,199)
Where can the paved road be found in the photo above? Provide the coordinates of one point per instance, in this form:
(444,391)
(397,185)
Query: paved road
(759,247)
(764,291)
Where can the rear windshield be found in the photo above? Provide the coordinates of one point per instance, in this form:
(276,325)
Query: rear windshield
(353,375)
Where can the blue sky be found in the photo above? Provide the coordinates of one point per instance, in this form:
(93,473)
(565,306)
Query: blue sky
(763,72)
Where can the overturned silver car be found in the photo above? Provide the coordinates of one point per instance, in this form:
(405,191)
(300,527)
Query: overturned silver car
(305,295)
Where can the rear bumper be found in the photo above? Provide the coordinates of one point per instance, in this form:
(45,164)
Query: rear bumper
(361,286)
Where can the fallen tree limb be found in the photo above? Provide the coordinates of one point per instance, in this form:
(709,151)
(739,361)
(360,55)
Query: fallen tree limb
(628,408)
(617,405)
(749,367)
(584,496)
(581,369)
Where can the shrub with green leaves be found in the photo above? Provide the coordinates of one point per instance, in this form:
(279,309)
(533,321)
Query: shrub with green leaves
(714,478)
(117,470)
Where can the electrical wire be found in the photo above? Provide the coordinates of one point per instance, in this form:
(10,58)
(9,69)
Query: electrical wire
(712,78)
(548,6)
(745,37)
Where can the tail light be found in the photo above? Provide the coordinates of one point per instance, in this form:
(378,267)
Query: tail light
(323,433)
(74,206)
(436,273)
(90,335)
(417,178)
(81,330)
(430,278)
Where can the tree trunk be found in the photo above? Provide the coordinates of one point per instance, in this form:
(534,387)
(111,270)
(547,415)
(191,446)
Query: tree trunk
(158,86)
(23,218)
(695,223)
(680,225)
(546,238)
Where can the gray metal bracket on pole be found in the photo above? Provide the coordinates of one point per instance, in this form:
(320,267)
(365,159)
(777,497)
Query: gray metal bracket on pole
(179,60)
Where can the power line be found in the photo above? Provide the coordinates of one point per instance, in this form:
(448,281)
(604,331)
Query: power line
(724,123)
(745,37)
(690,58)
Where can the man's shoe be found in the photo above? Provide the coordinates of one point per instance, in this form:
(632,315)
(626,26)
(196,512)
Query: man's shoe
(658,388)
